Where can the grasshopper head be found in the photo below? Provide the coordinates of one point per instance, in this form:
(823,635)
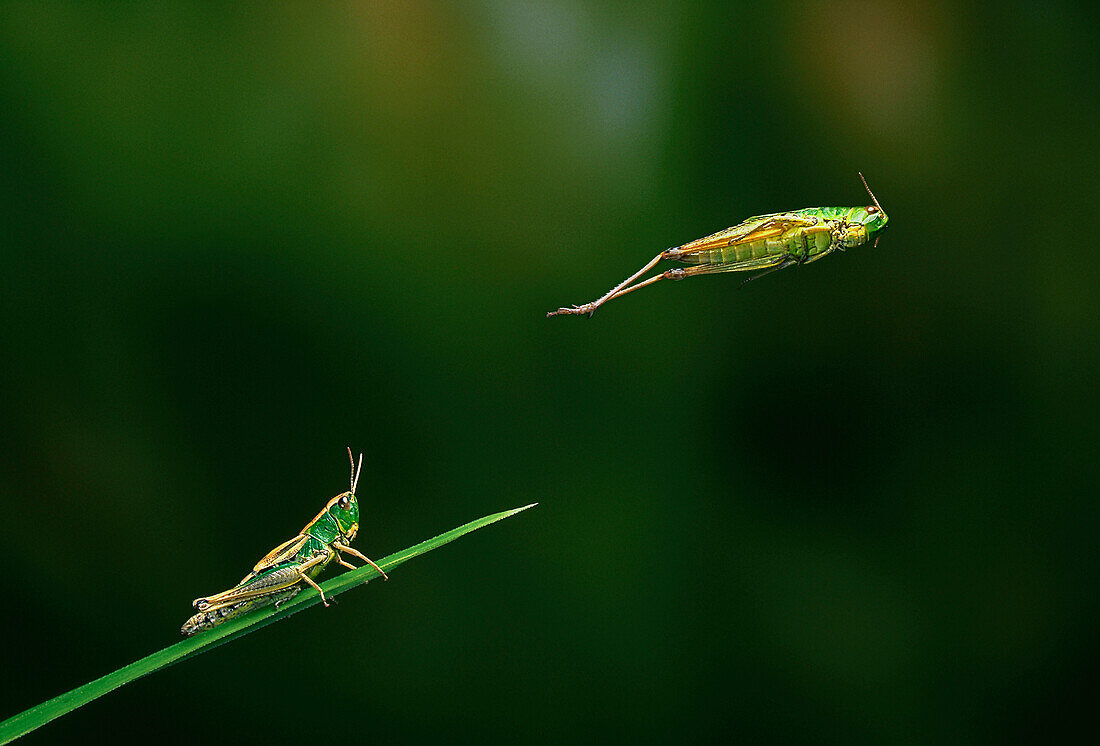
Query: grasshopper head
(344,509)
(865,223)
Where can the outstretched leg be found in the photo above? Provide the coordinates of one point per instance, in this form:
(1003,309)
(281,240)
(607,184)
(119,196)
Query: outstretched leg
(590,308)
(679,273)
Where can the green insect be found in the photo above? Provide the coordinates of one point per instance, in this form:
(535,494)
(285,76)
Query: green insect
(767,242)
(279,576)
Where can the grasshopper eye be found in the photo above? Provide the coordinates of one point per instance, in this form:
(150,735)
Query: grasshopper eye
(345,503)
(872,209)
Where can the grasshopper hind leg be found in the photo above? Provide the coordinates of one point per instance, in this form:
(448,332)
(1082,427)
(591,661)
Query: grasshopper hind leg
(590,308)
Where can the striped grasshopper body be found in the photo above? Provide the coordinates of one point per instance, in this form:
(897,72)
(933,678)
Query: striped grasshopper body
(764,242)
(283,572)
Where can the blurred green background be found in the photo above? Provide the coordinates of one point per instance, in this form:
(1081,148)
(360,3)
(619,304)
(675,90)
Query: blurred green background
(853,502)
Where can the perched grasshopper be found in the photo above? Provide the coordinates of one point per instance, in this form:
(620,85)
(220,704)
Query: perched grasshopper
(278,577)
(767,242)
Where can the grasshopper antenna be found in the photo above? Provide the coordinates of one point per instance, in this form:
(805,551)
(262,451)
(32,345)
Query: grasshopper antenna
(870,192)
(355,469)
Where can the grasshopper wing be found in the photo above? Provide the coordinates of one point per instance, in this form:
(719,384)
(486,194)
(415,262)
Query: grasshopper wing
(285,551)
(759,228)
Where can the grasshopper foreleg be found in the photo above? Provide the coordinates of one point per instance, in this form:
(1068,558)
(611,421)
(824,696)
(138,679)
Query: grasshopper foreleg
(345,548)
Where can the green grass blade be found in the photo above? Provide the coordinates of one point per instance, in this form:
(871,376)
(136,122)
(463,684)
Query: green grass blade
(25,722)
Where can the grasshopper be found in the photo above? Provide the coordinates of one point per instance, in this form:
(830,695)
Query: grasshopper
(280,575)
(767,242)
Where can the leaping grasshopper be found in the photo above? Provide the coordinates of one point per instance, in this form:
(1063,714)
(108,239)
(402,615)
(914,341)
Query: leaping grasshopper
(767,242)
(279,576)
